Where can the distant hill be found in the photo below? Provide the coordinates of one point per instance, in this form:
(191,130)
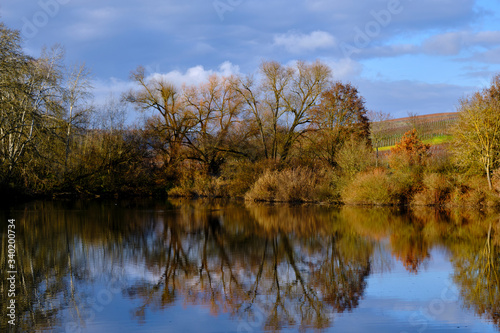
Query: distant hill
(428,117)
(429,127)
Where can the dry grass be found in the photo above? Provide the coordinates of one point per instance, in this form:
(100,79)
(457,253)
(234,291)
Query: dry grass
(435,192)
(355,156)
(199,185)
(240,175)
(495,180)
(370,188)
(473,192)
(290,185)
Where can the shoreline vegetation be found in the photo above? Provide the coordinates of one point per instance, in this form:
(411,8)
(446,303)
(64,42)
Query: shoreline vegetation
(286,133)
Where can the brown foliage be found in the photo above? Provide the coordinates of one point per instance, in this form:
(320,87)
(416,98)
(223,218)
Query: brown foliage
(340,115)
(289,185)
(370,188)
(436,188)
(409,152)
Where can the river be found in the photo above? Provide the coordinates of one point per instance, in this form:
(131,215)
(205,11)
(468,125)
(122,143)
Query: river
(210,266)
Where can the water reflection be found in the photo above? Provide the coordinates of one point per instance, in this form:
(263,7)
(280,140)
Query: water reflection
(477,271)
(277,266)
(245,262)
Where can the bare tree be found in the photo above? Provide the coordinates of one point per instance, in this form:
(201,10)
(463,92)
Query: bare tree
(415,122)
(282,101)
(29,89)
(216,107)
(169,126)
(110,115)
(275,82)
(251,94)
(76,95)
(308,85)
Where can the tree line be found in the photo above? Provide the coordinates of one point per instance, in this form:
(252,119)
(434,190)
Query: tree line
(54,139)
(283,133)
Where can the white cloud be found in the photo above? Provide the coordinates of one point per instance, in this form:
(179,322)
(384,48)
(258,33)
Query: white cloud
(487,38)
(452,43)
(445,44)
(110,87)
(195,75)
(344,69)
(227,68)
(297,42)
(107,13)
(489,57)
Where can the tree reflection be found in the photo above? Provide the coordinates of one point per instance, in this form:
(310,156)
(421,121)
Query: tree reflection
(242,263)
(410,246)
(46,276)
(277,266)
(58,252)
(406,232)
(341,276)
(478,276)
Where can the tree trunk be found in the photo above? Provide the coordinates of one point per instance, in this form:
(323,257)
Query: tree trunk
(488,174)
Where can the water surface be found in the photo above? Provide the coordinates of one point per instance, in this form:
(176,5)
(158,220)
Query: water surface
(201,266)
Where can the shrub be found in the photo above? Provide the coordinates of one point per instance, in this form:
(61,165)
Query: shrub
(329,189)
(436,188)
(495,180)
(181,192)
(473,191)
(407,161)
(440,160)
(356,155)
(289,185)
(404,184)
(410,153)
(240,175)
(372,187)
(199,184)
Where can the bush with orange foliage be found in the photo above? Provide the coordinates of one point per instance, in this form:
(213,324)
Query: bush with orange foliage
(410,154)
(407,161)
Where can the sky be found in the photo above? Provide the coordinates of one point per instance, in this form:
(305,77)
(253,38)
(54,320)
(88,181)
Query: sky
(404,56)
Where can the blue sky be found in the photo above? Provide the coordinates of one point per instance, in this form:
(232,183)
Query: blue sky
(403,55)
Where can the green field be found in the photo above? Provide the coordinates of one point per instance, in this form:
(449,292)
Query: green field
(437,140)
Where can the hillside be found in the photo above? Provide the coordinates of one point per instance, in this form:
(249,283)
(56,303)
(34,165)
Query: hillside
(432,128)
